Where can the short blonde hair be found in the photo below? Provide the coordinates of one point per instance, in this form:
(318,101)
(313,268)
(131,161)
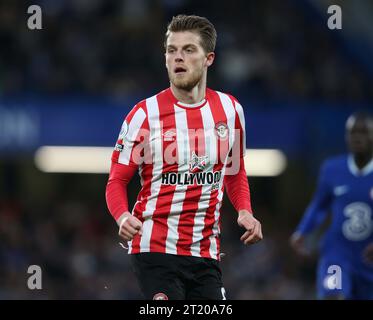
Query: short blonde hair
(201,25)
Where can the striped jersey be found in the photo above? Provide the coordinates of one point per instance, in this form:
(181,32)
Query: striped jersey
(182,153)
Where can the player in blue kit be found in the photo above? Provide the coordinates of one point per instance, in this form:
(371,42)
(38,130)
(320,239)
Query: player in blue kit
(345,190)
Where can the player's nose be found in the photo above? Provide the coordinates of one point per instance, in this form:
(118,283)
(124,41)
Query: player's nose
(179,57)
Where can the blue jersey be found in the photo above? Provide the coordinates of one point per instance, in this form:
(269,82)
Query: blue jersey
(347,194)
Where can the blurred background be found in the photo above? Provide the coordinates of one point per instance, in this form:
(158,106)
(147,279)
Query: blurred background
(73,82)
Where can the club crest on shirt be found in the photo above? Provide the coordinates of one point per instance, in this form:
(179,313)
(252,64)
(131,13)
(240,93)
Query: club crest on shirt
(160,296)
(197,163)
(221,129)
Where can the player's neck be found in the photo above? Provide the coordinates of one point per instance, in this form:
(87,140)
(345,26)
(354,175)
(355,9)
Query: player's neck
(195,95)
(362,159)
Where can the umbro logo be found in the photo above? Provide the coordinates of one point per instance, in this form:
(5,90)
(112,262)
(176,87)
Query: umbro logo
(169,135)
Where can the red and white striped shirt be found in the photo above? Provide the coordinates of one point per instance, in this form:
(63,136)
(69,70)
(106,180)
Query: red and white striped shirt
(182,152)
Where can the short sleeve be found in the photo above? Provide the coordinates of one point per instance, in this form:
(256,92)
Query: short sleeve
(132,139)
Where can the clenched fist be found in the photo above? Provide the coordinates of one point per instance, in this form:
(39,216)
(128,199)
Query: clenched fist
(297,242)
(253,227)
(129,226)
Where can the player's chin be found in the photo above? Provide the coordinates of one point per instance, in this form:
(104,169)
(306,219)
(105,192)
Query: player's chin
(186,82)
(359,147)
(182,84)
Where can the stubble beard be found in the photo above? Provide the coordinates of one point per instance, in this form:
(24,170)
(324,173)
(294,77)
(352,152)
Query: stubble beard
(186,83)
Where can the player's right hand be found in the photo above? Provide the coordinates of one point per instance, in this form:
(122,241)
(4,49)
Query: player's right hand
(297,242)
(129,226)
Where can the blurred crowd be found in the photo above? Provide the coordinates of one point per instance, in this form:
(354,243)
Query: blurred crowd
(272,49)
(67,230)
(78,251)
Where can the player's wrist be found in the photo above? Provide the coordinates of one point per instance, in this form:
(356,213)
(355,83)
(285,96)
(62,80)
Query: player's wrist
(298,234)
(244,212)
(123,218)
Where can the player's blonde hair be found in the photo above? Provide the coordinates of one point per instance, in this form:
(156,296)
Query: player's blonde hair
(201,25)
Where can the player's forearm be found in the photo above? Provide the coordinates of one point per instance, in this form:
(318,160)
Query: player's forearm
(238,191)
(312,219)
(316,212)
(116,198)
(116,189)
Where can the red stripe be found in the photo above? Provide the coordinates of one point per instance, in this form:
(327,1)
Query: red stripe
(193,192)
(166,192)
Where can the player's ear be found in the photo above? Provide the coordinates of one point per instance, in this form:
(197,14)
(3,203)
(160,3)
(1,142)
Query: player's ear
(210,58)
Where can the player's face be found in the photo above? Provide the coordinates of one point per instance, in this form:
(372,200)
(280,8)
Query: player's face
(186,60)
(359,135)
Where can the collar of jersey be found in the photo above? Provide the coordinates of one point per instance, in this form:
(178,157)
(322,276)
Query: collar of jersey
(186,105)
(194,105)
(355,170)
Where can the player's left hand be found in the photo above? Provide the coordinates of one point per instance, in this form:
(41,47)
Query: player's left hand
(368,253)
(253,227)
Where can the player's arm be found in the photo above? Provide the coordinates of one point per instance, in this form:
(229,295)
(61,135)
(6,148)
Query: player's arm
(315,213)
(236,183)
(126,158)
(117,200)
(238,191)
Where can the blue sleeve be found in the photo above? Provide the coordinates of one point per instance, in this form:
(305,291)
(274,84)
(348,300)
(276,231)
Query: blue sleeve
(317,211)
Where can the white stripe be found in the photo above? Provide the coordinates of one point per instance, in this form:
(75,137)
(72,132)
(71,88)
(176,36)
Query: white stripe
(133,130)
(199,223)
(230,115)
(155,142)
(210,138)
(213,244)
(180,190)
(203,204)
